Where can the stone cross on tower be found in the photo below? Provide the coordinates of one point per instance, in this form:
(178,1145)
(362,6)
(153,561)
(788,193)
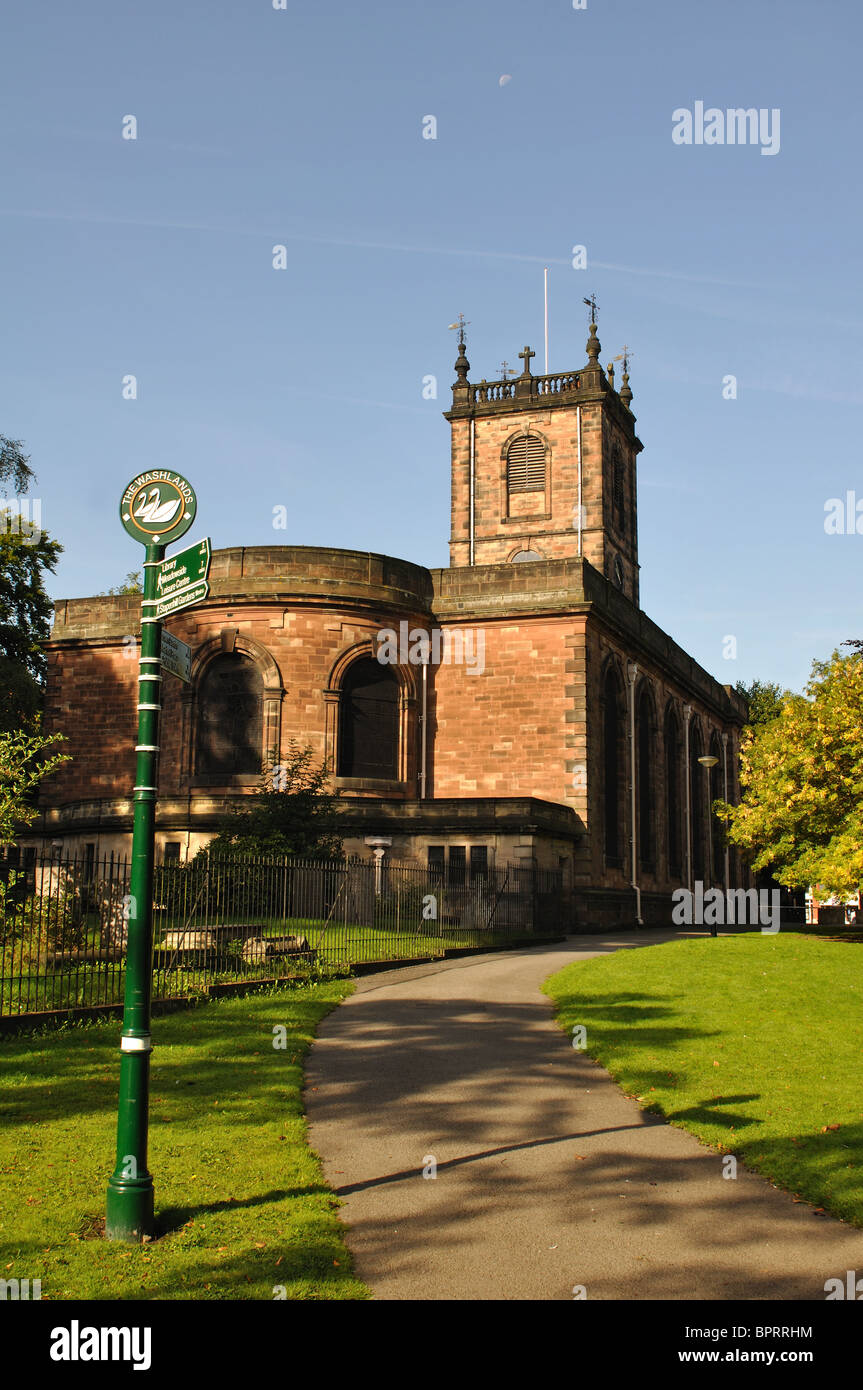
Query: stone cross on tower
(526,356)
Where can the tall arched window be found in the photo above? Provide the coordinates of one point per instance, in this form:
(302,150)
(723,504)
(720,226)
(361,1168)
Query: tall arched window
(612,730)
(674,820)
(369,721)
(697,800)
(645,784)
(525,464)
(229,718)
(717,828)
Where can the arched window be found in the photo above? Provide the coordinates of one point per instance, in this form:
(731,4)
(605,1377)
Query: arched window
(230,717)
(524,555)
(697,800)
(612,730)
(369,721)
(716,826)
(673,763)
(525,464)
(645,783)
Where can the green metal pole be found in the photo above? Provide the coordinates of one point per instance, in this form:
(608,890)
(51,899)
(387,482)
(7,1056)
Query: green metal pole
(130,1187)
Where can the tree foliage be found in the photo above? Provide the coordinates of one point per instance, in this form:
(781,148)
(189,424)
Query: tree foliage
(801,815)
(15,465)
(26,554)
(295,813)
(764,699)
(24,761)
(132,584)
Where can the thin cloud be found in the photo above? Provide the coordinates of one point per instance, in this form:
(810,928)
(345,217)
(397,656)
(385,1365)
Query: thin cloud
(355,243)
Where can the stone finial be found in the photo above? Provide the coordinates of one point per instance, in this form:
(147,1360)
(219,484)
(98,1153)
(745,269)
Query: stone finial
(594,347)
(610,370)
(462,366)
(625,392)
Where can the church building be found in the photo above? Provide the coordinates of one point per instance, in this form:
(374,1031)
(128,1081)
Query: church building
(515,708)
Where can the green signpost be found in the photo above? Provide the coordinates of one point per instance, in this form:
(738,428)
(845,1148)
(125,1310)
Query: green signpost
(156,508)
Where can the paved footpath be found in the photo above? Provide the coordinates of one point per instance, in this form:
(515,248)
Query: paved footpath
(547,1176)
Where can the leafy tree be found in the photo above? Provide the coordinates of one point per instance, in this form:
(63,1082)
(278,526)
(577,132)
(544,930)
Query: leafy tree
(26,553)
(295,813)
(765,700)
(132,584)
(23,764)
(801,815)
(15,465)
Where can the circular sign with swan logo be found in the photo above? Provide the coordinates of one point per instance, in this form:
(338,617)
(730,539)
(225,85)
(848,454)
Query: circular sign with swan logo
(158,506)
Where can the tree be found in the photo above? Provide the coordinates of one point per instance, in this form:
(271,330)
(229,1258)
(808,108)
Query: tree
(132,584)
(801,815)
(764,699)
(26,553)
(23,764)
(15,465)
(295,813)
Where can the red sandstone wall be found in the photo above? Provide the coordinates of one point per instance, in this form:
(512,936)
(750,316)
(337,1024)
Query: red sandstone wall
(91,698)
(511,730)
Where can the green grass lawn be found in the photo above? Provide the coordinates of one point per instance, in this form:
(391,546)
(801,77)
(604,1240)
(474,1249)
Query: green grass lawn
(240,1200)
(753,1043)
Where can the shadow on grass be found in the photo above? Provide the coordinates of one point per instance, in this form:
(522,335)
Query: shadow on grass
(706,1112)
(169,1220)
(76,1072)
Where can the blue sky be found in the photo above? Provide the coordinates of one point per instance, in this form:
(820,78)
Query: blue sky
(303,387)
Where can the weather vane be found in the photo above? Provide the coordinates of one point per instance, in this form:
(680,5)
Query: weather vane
(506,370)
(624,357)
(461,323)
(593,307)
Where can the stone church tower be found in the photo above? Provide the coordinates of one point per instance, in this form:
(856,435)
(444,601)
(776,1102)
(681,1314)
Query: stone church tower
(544,467)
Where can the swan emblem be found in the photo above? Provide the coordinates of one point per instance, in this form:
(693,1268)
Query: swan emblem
(152,513)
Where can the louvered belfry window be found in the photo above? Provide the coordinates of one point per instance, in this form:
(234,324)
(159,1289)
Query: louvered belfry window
(525,464)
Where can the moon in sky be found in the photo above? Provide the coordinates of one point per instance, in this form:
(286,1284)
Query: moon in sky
(502,81)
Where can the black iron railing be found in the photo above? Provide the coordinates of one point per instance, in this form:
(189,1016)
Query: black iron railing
(63,922)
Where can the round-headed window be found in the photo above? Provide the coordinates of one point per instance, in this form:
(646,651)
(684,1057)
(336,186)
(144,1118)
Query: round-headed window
(230,717)
(369,721)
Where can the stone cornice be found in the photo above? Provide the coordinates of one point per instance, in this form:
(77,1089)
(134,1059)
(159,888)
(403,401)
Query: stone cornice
(203,813)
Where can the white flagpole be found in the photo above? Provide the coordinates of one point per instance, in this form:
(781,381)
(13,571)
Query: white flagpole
(546,320)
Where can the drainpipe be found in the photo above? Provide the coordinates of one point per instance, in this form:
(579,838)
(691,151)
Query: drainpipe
(632,673)
(472,487)
(578,433)
(687,715)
